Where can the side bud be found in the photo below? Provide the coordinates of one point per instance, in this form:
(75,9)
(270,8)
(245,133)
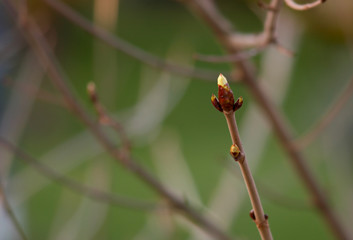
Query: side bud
(235,151)
(238,104)
(216,103)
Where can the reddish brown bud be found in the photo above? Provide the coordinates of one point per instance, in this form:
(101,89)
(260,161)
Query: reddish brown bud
(216,103)
(235,151)
(252,214)
(238,104)
(225,94)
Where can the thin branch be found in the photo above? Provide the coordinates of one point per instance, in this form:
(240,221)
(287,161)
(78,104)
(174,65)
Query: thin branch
(41,94)
(229,58)
(280,127)
(34,37)
(126,47)
(260,40)
(228,107)
(275,196)
(105,118)
(302,7)
(320,125)
(11,214)
(75,186)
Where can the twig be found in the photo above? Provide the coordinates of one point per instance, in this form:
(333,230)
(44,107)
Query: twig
(334,109)
(226,105)
(46,57)
(10,213)
(229,58)
(41,94)
(303,7)
(274,196)
(263,39)
(104,117)
(280,127)
(126,47)
(75,186)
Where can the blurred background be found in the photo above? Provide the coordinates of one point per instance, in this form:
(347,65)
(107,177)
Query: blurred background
(175,132)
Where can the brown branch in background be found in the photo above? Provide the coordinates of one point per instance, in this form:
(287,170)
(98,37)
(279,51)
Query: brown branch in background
(320,125)
(75,186)
(41,94)
(10,213)
(127,48)
(34,37)
(229,58)
(302,7)
(227,105)
(105,119)
(258,41)
(282,131)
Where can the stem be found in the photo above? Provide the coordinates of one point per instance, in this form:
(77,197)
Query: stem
(260,220)
(11,214)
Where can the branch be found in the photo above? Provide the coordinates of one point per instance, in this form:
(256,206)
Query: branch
(259,41)
(240,56)
(11,214)
(126,47)
(302,7)
(274,116)
(34,37)
(75,186)
(226,105)
(105,119)
(320,125)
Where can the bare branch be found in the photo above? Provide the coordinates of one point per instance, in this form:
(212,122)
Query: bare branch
(126,47)
(34,37)
(303,7)
(240,56)
(105,119)
(280,127)
(10,213)
(75,186)
(320,125)
(227,105)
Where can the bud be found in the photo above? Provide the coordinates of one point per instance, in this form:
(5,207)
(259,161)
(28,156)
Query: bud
(216,103)
(235,151)
(91,90)
(252,214)
(225,94)
(238,104)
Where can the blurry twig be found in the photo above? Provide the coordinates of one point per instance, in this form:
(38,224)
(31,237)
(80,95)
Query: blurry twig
(229,58)
(39,45)
(259,41)
(104,117)
(302,7)
(207,10)
(334,109)
(77,187)
(126,47)
(10,213)
(41,94)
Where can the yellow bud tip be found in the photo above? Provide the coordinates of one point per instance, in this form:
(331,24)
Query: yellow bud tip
(222,81)
(240,100)
(213,97)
